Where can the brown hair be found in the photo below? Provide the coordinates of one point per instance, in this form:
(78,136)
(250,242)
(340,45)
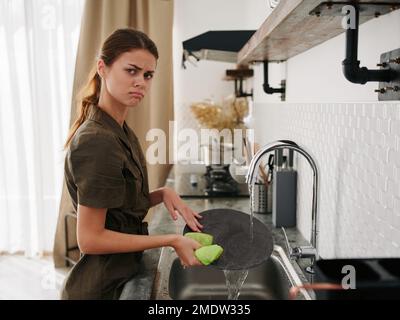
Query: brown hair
(119,42)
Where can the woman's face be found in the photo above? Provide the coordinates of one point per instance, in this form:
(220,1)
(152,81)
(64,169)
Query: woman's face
(129,78)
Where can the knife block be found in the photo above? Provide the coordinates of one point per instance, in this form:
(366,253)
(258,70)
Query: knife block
(284,193)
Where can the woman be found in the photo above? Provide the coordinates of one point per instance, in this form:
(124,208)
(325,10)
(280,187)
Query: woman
(106,175)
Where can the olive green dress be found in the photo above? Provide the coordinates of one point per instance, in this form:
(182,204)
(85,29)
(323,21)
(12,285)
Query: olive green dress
(105,168)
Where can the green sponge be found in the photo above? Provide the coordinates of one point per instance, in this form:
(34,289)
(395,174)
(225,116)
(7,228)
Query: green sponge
(204,239)
(208,254)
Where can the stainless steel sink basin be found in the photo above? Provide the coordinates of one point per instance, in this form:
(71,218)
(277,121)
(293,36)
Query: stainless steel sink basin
(269,281)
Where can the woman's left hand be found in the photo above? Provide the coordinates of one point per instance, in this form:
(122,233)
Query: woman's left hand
(175,205)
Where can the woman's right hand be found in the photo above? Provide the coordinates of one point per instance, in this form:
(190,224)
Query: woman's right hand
(184,248)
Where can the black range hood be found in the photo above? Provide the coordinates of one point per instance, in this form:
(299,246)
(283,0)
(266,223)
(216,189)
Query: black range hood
(216,45)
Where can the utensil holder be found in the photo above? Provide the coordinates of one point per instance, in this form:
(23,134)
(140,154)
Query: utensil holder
(259,198)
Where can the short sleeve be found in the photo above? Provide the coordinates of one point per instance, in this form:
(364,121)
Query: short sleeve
(96,166)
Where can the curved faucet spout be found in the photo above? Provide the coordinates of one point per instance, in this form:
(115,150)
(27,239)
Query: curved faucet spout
(252,175)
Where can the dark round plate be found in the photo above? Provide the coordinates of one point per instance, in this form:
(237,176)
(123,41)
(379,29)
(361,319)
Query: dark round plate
(231,230)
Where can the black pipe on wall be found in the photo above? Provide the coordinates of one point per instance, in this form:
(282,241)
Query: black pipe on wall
(351,64)
(266,86)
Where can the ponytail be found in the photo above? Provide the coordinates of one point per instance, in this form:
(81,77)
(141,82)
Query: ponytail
(88,98)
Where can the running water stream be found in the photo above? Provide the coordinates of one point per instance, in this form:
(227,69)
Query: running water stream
(236,278)
(234,282)
(251,212)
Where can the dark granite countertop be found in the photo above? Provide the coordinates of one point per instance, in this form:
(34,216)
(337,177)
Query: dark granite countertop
(152,280)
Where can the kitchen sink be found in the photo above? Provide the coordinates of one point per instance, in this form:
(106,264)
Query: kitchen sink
(268,281)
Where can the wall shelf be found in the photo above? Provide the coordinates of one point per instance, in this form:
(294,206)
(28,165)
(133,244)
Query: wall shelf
(290,30)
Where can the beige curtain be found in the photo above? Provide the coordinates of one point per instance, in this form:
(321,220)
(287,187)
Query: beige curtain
(100,18)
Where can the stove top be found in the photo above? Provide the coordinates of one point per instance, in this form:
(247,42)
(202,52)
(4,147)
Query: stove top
(216,182)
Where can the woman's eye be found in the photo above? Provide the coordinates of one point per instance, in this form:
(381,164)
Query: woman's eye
(131,71)
(148,76)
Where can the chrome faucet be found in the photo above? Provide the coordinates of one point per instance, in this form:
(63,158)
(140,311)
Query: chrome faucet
(251,177)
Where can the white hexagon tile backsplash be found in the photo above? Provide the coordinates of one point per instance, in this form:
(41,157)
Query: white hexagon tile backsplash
(357,149)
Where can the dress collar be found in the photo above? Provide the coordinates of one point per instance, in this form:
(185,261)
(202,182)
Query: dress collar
(124,133)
